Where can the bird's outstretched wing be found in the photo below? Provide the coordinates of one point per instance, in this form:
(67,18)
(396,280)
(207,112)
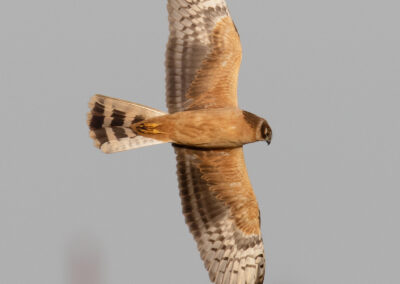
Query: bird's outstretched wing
(203,55)
(222,214)
(202,61)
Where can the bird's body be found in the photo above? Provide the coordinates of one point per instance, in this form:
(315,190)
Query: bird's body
(207,130)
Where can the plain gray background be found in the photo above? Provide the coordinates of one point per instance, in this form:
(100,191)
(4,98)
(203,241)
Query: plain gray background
(324,73)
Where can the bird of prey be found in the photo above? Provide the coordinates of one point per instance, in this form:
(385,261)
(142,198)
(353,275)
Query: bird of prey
(207,130)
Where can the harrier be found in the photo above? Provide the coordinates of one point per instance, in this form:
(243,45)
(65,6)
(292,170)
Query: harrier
(207,130)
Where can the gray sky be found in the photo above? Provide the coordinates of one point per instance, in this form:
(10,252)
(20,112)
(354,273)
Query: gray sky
(324,73)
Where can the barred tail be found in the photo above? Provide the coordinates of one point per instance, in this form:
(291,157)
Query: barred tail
(110,119)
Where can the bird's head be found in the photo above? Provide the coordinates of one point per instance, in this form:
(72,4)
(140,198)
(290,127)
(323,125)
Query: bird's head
(261,127)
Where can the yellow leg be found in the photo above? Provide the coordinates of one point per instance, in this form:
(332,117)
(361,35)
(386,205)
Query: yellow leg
(148,128)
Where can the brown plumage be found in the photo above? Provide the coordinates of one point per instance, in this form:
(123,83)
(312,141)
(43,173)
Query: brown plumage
(207,130)
(198,128)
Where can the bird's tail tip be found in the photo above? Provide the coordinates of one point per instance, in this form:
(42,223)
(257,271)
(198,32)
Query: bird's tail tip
(110,121)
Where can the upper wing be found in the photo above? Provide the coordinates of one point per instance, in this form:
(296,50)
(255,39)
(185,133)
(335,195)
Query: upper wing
(221,211)
(203,55)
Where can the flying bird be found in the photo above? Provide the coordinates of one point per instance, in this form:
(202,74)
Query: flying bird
(207,130)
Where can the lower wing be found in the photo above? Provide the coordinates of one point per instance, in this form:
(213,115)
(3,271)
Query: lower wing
(221,211)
